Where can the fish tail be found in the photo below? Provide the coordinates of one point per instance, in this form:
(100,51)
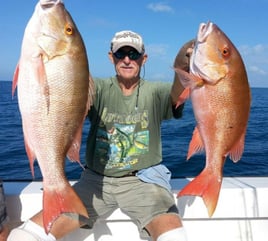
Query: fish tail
(57,202)
(206,185)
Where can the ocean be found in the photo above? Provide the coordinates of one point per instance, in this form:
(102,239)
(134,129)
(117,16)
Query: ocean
(176,135)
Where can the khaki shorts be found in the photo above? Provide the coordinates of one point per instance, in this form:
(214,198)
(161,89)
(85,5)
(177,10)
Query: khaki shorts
(141,201)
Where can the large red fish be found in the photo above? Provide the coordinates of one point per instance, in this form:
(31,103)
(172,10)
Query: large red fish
(220,95)
(55,92)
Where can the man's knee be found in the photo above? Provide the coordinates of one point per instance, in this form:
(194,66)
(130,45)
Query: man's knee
(29,231)
(177,234)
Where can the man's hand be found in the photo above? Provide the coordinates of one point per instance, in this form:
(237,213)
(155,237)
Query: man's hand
(182,61)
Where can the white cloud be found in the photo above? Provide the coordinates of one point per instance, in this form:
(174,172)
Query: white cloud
(256,60)
(156,50)
(100,22)
(160,7)
(257,70)
(258,50)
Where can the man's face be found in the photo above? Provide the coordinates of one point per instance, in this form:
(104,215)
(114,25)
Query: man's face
(128,62)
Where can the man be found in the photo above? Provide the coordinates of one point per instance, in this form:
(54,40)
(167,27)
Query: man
(123,158)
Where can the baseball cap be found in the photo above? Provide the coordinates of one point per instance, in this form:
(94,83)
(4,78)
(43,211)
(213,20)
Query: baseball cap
(127,38)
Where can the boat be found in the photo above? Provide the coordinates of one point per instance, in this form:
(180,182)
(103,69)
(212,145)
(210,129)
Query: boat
(241,213)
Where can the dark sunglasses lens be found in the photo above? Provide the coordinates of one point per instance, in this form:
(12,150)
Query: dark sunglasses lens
(119,54)
(132,54)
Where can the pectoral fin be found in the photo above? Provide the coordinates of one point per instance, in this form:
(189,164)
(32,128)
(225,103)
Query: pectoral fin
(41,76)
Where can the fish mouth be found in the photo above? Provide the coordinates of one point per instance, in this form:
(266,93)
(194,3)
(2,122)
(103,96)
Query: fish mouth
(205,70)
(43,12)
(204,30)
(49,3)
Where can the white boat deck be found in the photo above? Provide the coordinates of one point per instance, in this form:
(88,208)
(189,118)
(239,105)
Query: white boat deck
(241,213)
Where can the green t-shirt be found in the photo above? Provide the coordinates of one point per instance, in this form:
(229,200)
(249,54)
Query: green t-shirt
(125,133)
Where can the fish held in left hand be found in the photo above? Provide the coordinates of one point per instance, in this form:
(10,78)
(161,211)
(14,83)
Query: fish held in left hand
(219,90)
(55,91)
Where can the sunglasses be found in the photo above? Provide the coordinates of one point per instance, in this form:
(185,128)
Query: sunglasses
(132,54)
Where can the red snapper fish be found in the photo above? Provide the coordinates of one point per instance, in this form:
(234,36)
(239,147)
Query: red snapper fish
(55,90)
(219,90)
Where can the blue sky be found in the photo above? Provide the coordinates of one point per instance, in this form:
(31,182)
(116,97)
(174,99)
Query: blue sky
(165,27)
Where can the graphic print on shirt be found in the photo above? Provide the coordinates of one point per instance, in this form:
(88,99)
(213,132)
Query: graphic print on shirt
(120,145)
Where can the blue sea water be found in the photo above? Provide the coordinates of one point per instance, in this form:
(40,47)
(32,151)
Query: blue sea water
(176,135)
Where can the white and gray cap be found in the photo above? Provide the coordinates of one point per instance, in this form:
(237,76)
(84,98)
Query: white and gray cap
(127,38)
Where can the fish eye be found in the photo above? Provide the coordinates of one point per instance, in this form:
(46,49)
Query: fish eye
(225,52)
(68,29)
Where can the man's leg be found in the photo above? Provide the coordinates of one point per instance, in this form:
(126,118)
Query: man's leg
(4,233)
(32,230)
(166,227)
(152,206)
(62,225)
(89,188)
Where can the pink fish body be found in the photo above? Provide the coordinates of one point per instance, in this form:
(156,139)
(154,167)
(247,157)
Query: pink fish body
(220,96)
(55,92)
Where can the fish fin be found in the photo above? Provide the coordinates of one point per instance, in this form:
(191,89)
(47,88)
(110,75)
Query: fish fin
(73,152)
(59,201)
(237,150)
(206,185)
(15,79)
(196,145)
(189,80)
(42,79)
(31,156)
(30,153)
(183,97)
